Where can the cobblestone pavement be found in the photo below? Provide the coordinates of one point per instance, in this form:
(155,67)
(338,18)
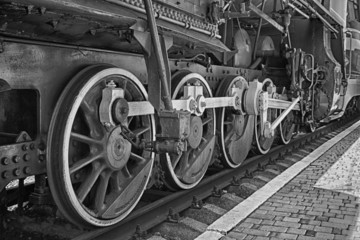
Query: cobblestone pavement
(301,211)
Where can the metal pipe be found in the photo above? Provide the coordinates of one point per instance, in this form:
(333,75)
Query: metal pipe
(258,31)
(256,63)
(350,53)
(284,114)
(158,53)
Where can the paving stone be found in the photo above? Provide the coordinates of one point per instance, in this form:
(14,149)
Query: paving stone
(336,231)
(253,220)
(262,216)
(249,237)
(260,211)
(310,233)
(341,221)
(268,222)
(315,223)
(227,238)
(323,229)
(326,236)
(306,238)
(261,238)
(296,231)
(287,236)
(267,208)
(337,225)
(287,224)
(291,219)
(236,235)
(304,221)
(322,218)
(256,232)
(245,225)
(273,228)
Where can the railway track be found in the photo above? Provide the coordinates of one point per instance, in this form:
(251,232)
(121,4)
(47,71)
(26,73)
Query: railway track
(222,189)
(240,183)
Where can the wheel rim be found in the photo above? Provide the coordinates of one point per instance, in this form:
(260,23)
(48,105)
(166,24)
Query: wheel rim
(95,175)
(186,170)
(287,128)
(262,143)
(236,130)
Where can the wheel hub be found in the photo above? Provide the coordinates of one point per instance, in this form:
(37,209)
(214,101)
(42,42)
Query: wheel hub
(118,150)
(196,132)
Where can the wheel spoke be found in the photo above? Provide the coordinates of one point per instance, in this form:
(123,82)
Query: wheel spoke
(84,162)
(137,158)
(91,119)
(228,138)
(228,122)
(101,191)
(126,173)
(125,84)
(130,120)
(183,163)
(140,131)
(89,182)
(175,161)
(206,120)
(85,139)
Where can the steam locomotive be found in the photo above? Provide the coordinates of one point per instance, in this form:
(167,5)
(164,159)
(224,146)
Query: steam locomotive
(101,100)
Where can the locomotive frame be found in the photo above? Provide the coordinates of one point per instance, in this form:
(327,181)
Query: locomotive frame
(110,84)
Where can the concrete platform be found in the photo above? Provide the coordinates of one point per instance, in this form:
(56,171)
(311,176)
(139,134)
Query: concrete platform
(315,198)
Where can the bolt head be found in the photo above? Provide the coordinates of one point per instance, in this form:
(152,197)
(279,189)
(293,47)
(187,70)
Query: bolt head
(5,161)
(16,172)
(16,159)
(27,157)
(27,170)
(5,174)
(42,157)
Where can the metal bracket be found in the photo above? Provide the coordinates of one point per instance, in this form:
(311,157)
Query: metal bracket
(109,95)
(20,160)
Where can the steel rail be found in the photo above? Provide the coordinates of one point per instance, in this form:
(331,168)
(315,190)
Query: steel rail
(157,212)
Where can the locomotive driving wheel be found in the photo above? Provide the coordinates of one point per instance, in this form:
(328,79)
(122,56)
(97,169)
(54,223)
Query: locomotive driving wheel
(262,143)
(287,128)
(96,175)
(235,127)
(185,170)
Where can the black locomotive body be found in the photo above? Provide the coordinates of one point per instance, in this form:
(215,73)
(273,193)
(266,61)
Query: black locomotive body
(103,99)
